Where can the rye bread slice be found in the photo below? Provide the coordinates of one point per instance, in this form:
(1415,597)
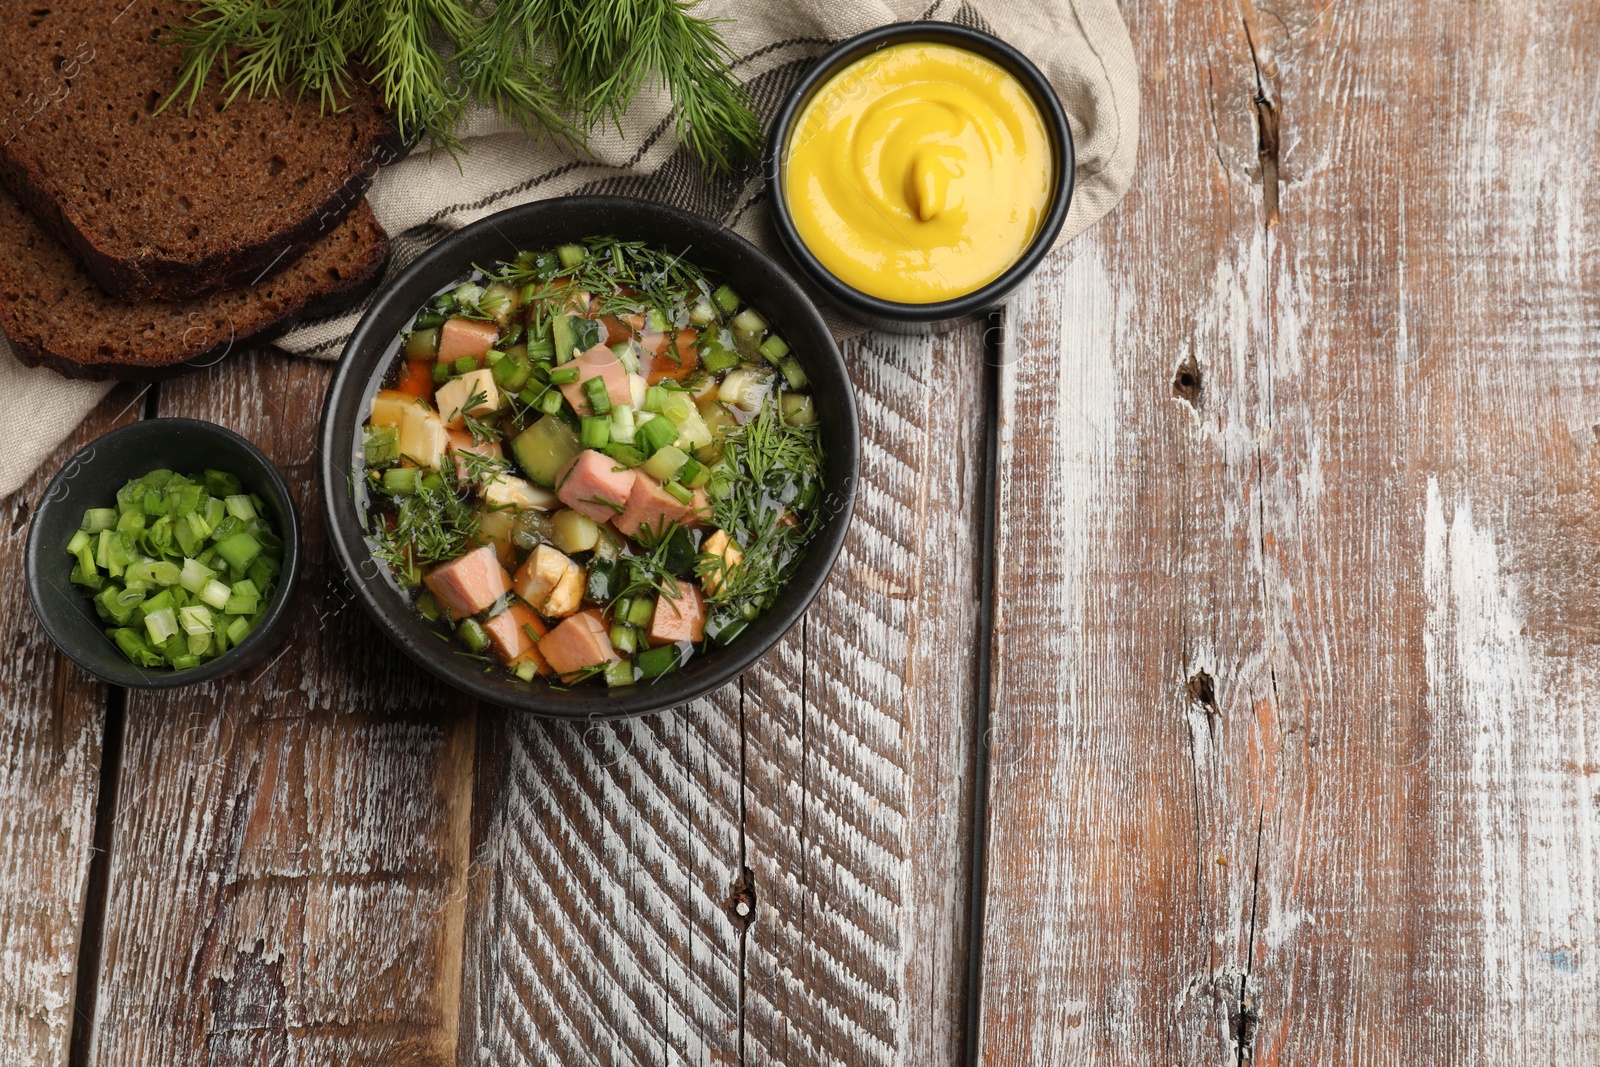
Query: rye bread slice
(54,314)
(175,205)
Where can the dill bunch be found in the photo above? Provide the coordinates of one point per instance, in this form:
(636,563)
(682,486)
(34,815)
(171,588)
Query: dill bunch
(561,67)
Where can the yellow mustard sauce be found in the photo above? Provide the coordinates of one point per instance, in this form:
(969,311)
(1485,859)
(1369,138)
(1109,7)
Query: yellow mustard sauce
(919,173)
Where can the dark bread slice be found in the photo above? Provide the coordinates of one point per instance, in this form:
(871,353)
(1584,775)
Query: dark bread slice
(54,314)
(175,205)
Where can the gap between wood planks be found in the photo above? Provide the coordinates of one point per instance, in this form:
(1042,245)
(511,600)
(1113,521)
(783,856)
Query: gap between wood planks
(993,344)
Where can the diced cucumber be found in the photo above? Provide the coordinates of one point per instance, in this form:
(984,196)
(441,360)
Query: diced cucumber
(570,333)
(422,344)
(544,448)
(655,662)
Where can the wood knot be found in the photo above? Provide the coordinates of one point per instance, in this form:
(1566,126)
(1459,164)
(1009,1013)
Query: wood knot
(741,902)
(1187,382)
(1203,691)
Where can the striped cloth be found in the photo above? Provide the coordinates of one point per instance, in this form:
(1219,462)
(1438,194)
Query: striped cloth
(1082,46)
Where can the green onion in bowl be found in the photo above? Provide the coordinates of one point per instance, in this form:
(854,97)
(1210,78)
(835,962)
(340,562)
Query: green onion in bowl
(181,569)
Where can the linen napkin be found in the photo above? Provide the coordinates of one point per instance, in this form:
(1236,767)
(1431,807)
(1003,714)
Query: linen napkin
(1082,46)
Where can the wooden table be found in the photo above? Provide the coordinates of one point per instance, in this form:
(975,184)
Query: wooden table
(1227,617)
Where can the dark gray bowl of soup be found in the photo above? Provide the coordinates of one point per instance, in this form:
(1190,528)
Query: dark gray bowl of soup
(368,364)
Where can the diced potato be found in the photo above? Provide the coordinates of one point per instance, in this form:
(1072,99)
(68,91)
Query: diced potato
(719,544)
(453,397)
(574,531)
(423,438)
(550,581)
(507,490)
(495,529)
(388,406)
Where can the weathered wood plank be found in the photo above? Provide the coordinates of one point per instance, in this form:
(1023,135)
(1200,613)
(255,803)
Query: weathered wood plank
(605,856)
(288,869)
(858,741)
(1366,831)
(1431,835)
(52,722)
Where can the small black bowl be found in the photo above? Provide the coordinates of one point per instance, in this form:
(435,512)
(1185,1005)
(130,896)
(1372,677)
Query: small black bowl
(90,479)
(945,314)
(713,248)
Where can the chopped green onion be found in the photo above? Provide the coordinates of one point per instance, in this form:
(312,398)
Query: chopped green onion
(682,495)
(749,323)
(657,433)
(654,397)
(596,432)
(441,373)
(239,550)
(240,507)
(694,474)
(622,423)
(77,543)
(774,348)
(793,373)
(161,625)
(464,365)
(625,639)
(97,519)
(195,619)
(619,673)
(238,630)
(665,463)
(594,390)
(564,376)
(571,255)
(726,299)
(215,594)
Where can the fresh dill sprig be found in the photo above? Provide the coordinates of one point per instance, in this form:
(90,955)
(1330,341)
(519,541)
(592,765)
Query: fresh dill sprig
(775,475)
(431,525)
(551,66)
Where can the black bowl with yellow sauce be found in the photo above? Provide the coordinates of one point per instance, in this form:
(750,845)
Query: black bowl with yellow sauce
(919,173)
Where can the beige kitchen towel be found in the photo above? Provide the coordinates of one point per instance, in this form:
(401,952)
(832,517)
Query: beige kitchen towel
(1082,46)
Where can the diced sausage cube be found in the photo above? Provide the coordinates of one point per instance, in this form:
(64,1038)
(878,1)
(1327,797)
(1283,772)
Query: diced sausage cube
(466,337)
(680,618)
(461,442)
(580,642)
(470,583)
(598,362)
(508,636)
(649,505)
(595,485)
